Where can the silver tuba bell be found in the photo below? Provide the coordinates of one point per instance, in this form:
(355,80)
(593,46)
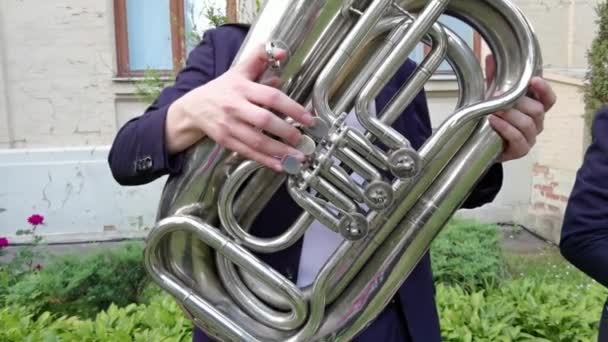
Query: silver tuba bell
(341,53)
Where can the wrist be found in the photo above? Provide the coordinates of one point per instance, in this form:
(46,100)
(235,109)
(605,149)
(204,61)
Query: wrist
(180,129)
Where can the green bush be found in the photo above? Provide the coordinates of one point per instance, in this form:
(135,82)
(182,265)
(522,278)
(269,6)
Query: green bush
(162,320)
(467,253)
(6,282)
(83,286)
(596,89)
(524,309)
(533,308)
(541,298)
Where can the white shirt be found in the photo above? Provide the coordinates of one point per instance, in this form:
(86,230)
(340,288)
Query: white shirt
(319,241)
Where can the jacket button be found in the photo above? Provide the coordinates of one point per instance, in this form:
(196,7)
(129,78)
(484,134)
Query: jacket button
(143,164)
(148,163)
(289,273)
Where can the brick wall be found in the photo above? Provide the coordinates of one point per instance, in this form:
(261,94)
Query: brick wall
(560,153)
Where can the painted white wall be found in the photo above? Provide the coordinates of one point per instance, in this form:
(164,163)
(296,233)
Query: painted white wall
(75,192)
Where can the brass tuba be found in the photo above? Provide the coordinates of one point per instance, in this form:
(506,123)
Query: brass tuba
(341,53)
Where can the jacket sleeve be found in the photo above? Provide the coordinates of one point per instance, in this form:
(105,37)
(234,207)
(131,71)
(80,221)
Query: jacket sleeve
(486,190)
(139,154)
(584,235)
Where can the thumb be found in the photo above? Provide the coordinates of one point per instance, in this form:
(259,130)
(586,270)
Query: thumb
(490,69)
(255,63)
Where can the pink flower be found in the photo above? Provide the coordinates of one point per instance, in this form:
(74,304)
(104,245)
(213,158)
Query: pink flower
(3,242)
(35,219)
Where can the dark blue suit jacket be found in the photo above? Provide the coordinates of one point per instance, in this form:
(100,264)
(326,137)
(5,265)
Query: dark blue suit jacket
(138,156)
(584,236)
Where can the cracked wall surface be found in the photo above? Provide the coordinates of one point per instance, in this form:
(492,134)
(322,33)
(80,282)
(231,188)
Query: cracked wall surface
(75,192)
(58,74)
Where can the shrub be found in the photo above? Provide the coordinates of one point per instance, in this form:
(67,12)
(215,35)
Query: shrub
(22,263)
(467,253)
(548,300)
(524,309)
(543,299)
(74,285)
(162,320)
(596,89)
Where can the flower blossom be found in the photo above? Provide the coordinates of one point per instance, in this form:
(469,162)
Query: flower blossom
(3,242)
(35,219)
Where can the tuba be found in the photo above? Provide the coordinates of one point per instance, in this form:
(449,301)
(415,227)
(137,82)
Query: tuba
(340,55)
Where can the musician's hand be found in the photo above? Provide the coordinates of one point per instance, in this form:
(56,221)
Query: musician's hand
(229,110)
(520,125)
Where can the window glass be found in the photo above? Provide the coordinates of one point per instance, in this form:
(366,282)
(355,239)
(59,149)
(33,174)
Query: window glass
(458,27)
(149,34)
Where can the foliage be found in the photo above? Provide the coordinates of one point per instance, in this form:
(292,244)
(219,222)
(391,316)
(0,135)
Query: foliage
(6,283)
(215,16)
(596,89)
(23,263)
(161,320)
(522,309)
(535,307)
(150,86)
(541,298)
(105,297)
(73,285)
(467,253)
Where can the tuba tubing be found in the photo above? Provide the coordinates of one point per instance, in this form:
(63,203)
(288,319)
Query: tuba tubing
(341,54)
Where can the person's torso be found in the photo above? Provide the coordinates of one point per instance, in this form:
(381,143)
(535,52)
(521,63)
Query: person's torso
(416,297)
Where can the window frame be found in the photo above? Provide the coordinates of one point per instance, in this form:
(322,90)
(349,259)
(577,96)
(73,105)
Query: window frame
(178,41)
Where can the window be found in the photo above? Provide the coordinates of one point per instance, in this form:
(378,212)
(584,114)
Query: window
(460,28)
(156,34)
